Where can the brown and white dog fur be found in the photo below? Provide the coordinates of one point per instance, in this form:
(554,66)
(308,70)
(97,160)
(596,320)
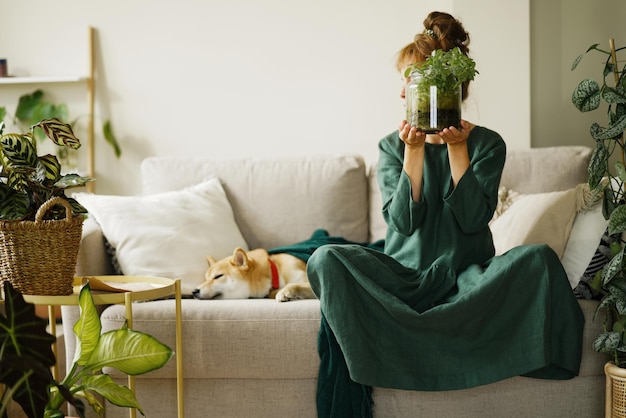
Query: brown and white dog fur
(249,275)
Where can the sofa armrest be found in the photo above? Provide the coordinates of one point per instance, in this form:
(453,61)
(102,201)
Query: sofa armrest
(93,259)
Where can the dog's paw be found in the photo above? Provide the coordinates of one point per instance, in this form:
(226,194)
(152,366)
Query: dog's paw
(295,291)
(282,296)
(286,294)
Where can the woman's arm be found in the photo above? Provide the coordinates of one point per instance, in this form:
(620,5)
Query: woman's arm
(473,192)
(400,180)
(413,164)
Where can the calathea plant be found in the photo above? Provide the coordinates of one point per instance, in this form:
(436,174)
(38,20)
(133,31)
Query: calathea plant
(28,180)
(607,176)
(26,358)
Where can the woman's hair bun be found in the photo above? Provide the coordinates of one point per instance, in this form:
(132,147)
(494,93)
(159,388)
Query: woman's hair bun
(443,31)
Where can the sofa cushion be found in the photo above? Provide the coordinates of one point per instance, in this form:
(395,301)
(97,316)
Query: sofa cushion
(168,234)
(537,218)
(261,338)
(225,339)
(548,169)
(277,201)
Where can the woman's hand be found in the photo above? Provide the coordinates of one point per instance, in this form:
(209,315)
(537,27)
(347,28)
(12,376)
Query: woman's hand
(414,150)
(411,136)
(454,136)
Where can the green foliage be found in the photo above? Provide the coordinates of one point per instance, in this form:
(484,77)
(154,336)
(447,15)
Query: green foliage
(446,70)
(607,179)
(109,137)
(32,108)
(35,107)
(131,352)
(27,181)
(26,358)
(25,354)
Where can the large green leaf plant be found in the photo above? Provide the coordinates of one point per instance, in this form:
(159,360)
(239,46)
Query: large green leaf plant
(607,178)
(26,358)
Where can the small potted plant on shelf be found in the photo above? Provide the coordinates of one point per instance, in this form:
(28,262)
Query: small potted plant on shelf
(26,358)
(607,178)
(40,227)
(434,94)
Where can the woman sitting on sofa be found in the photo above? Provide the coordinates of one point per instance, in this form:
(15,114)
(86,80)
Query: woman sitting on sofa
(436,310)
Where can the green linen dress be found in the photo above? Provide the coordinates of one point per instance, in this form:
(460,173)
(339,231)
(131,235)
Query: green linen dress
(436,310)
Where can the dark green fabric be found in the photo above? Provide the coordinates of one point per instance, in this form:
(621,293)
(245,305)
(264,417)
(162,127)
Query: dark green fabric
(320,237)
(449,226)
(337,394)
(512,316)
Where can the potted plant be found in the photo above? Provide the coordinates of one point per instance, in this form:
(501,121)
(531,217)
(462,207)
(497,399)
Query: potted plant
(434,94)
(40,227)
(26,358)
(607,178)
(28,180)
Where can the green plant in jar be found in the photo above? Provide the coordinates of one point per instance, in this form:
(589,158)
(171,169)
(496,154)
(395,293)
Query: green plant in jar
(434,95)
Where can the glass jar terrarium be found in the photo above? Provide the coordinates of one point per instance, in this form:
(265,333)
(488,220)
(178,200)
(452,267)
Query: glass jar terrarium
(431,108)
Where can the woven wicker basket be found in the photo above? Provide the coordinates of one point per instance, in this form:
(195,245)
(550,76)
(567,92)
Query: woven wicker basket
(615,391)
(39,258)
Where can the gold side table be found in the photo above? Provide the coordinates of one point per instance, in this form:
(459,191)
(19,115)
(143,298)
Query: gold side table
(150,288)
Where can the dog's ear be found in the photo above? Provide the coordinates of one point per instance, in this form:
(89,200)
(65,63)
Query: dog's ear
(240,259)
(210,260)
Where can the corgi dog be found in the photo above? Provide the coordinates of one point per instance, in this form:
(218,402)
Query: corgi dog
(255,274)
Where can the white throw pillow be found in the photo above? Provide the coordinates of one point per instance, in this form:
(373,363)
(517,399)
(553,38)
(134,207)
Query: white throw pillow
(168,234)
(583,242)
(540,218)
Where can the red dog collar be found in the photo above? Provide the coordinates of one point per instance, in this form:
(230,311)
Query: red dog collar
(275,278)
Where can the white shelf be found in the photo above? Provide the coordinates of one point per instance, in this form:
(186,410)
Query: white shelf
(42,79)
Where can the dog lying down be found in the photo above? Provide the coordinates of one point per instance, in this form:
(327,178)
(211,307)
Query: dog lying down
(255,274)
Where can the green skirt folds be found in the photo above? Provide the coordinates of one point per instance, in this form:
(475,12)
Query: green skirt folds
(390,326)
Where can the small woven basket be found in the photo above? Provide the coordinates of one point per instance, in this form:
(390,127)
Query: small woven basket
(39,258)
(615,391)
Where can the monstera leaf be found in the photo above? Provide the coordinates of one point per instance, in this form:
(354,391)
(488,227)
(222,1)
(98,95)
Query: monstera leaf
(25,354)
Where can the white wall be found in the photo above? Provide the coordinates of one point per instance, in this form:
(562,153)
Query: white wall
(500,44)
(255,77)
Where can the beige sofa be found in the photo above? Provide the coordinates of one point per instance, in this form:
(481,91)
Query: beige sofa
(258,358)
